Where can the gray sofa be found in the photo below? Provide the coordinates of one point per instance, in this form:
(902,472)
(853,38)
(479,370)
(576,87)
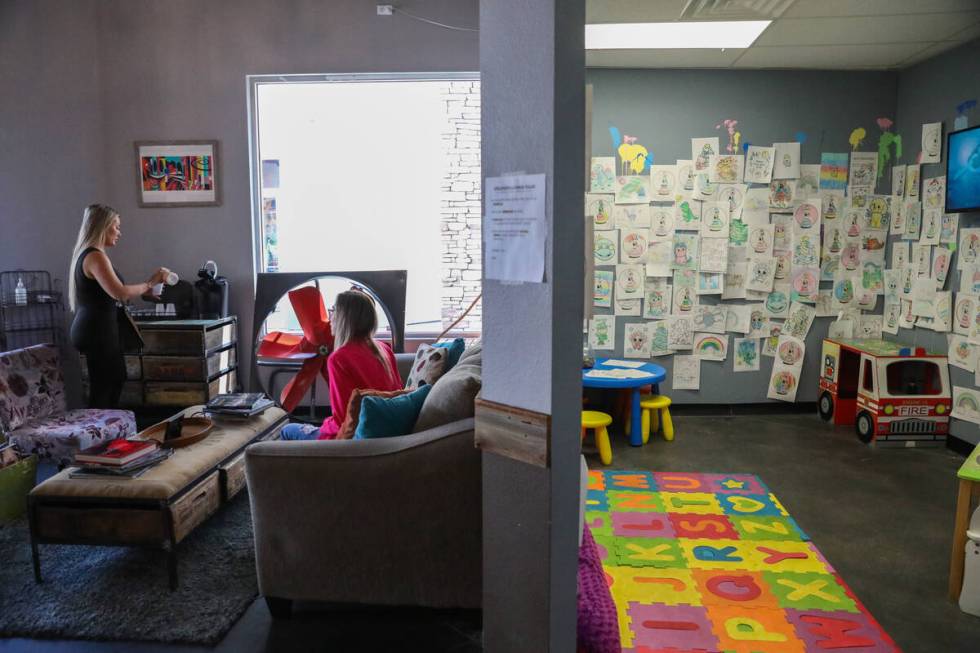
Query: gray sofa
(392,521)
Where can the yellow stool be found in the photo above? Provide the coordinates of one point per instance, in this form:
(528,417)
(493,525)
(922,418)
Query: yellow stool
(593,419)
(650,406)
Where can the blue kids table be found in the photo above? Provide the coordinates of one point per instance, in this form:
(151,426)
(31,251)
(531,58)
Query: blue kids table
(654,374)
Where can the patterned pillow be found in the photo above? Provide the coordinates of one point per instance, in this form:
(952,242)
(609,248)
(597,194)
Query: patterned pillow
(349,426)
(31,385)
(428,366)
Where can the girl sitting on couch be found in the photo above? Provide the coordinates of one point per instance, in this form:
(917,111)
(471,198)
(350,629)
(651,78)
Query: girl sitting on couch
(358,362)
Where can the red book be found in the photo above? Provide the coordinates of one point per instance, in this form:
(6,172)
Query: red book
(115,452)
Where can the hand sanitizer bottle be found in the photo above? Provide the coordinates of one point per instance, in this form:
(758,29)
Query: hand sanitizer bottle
(20,292)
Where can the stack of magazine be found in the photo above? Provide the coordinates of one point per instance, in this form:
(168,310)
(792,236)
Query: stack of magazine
(118,459)
(241,404)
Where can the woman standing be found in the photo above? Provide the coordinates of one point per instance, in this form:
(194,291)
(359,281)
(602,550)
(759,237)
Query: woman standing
(94,288)
(359,362)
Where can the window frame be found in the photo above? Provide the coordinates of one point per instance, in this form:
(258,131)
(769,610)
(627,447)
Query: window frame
(253,82)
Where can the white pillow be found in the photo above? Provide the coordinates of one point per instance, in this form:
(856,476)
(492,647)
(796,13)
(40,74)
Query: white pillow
(428,366)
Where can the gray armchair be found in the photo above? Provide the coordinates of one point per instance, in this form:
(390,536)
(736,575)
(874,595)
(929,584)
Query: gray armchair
(393,521)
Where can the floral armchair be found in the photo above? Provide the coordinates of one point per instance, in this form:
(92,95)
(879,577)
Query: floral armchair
(34,415)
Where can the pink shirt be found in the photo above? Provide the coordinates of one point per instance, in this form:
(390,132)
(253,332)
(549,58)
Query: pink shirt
(355,367)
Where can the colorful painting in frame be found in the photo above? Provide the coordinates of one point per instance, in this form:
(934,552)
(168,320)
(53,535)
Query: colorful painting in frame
(177,173)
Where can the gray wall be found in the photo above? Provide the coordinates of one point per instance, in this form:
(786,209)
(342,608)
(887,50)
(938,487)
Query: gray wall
(664,109)
(92,77)
(929,92)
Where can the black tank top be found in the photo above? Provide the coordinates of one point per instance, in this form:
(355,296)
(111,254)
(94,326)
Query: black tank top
(89,293)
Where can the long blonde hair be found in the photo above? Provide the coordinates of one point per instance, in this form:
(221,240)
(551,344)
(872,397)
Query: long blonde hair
(354,319)
(96,221)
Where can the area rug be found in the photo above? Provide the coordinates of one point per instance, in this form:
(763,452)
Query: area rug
(113,593)
(713,562)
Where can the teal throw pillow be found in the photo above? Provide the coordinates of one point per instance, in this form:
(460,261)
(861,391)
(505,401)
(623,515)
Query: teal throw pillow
(382,418)
(456,348)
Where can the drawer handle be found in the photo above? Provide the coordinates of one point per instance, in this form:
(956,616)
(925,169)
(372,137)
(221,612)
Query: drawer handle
(203,494)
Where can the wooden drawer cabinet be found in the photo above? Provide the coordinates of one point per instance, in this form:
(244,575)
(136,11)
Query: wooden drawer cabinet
(189,368)
(183,362)
(183,394)
(187,337)
(198,504)
(233,476)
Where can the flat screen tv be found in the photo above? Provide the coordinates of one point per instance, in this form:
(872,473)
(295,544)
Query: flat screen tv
(963,171)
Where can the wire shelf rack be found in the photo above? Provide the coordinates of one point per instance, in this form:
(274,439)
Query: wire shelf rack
(33,316)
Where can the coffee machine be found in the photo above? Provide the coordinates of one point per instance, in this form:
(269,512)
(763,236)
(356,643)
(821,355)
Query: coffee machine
(211,292)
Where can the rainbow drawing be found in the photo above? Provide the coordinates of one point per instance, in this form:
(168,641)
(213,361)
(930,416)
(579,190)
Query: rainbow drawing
(710,347)
(968,403)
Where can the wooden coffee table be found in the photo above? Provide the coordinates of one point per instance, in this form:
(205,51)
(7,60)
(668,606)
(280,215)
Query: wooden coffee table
(157,509)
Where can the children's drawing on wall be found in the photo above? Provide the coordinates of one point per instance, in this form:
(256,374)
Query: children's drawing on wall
(684,300)
(680,332)
(738,233)
(863,170)
(633,189)
(637,340)
(787,161)
(711,347)
(714,220)
(760,240)
(833,170)
(969,248)
(687,373)
(658,338)
(627,307)
(755,207)
(963,311)
(932,224)
(950,223)
(932,142)
(890,319)
(777,302)
(746,355)
(805,249)
(631,216)
(710,318)
(663,182)
(603,176)
(725,168)
(659,257)
(807,214)
(913,220)
(912,179)
(605,247)
(602,332)
(759,164)
(783,263)
(941,259)
(633,246)
(710,283)
(781,194)
(661,221)
(687,214)
(714,256)
(898,181)
(702,149)
(685,176)
(785,378)
(656,304)
(685,252)
(808,185)
(879,212)
(704,188)
(761,274)
(734,196)
(734,281)
(805,282)
(739,319)
(934,193)
(629,281)
(602,295)
(850,256)
(599,209)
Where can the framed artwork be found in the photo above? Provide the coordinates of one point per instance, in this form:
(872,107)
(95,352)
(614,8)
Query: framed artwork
(177,173)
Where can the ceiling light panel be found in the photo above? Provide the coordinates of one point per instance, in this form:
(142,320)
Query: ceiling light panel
(674,35)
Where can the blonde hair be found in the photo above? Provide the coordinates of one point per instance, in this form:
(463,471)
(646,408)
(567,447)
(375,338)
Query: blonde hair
(96,221)
(354,319)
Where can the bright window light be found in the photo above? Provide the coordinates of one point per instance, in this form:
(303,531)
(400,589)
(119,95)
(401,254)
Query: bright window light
(661,36)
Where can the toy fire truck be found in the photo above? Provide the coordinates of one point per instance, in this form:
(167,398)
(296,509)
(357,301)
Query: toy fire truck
(888,391)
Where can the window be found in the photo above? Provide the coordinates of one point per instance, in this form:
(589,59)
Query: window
(869,380)
(914,378)
(372,172)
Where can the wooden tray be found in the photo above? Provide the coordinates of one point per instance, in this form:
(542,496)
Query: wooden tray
(193,429)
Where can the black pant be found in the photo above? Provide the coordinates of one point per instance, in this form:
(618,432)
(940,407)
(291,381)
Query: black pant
(96,334)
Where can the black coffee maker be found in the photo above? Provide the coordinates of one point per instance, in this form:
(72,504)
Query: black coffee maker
(211,292)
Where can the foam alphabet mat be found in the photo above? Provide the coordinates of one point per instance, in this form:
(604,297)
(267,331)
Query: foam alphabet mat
(713,562)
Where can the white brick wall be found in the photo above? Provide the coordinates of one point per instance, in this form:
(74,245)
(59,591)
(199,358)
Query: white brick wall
(462,266)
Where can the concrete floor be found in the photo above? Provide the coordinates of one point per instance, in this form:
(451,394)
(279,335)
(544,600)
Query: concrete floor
(882,517)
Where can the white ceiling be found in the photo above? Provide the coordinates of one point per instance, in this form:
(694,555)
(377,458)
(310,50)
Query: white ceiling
(823,34)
